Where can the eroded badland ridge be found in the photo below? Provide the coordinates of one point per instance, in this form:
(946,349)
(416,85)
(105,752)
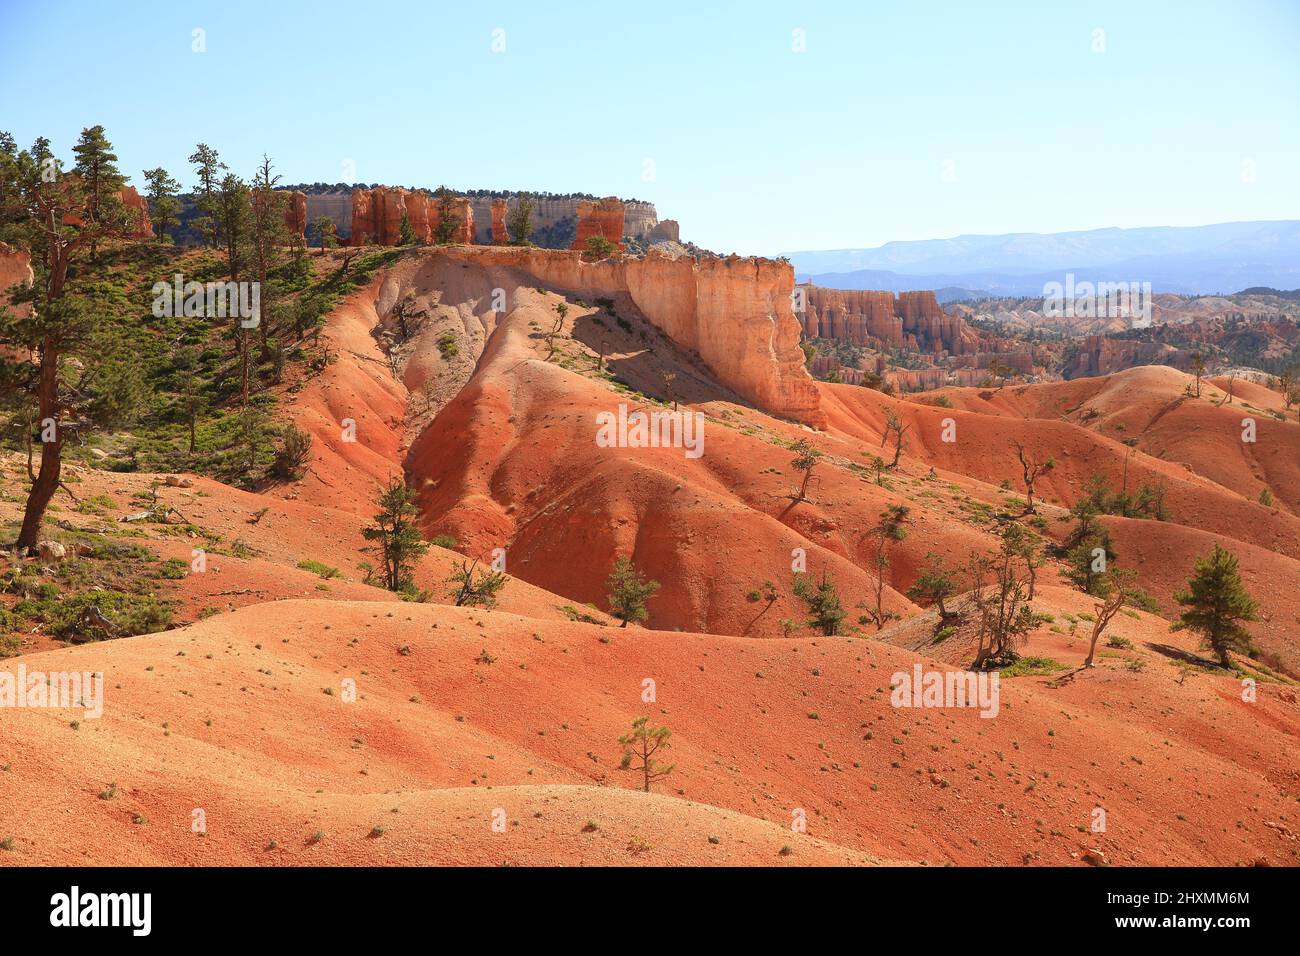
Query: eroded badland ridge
(315,715)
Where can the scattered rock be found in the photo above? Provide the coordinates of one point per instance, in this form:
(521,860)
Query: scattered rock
(51,551)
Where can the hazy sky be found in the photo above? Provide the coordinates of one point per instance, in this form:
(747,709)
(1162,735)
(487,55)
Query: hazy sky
(897,121)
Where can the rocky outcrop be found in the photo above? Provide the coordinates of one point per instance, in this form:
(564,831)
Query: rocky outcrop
(463,210)
(913,320)
(601,218)
(1020,361)
(335,206)
(500,235)
(295,214)
(1102,355)
(552,215)
(132,200)
(665,231)
(735,313)
(15,269)
(828,368)
(377,216)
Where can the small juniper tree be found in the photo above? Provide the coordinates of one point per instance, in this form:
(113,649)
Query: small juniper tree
(598,247)
(519,221)
(765,592)
(639,749)
(294,454)
(1216,604)
(889,527)
(397,541)
(878,468)
(470,590)
(999,372)
(1032,469)
(999,596)
(628,592)
(323,226)
(823,603)
(805,460)
(934,583)
(1118,592)
(561,310)
(894,426)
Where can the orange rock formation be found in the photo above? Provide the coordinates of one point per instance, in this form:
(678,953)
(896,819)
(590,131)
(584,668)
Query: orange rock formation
(377,216)
(135,202)
(500,234)
(601,218)
(734,312)
(295,214)
(876,319)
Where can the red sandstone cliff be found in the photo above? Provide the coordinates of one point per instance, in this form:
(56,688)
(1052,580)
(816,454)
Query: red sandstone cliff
(377,216)
(601,218)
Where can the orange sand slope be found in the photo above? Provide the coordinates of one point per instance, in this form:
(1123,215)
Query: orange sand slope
(247,717)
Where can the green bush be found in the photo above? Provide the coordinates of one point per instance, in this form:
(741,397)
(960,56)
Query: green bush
(317,567)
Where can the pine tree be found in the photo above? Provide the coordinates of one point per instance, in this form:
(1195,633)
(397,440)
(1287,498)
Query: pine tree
(1217,603)
(269,236)
(164,207)
(1031,469)
(471,590)
(1118,592)
(894,425)
(407,234)
(805,460)
(519,221)
(324,229)
(934,583)
(208,168)
(642,744)
(232,225)
(628,592)
(448,219)
(397,540)
(56,216)
(96,164)
(823,603)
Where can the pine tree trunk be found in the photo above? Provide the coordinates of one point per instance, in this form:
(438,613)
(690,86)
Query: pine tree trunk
(47,479)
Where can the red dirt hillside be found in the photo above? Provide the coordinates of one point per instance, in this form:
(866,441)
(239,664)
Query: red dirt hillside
(477,375)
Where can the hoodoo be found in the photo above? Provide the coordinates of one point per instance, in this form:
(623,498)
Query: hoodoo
(603,218)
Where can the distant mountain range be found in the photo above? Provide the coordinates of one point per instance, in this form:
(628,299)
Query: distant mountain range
(1192,260)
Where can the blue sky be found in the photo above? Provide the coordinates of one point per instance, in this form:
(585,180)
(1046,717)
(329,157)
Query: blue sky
(897,121)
